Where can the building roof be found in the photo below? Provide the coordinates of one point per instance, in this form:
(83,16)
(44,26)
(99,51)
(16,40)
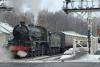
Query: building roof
(5,28)
(72,33)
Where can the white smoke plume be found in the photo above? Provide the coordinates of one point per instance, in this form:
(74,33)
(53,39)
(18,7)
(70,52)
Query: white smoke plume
(23,6)
(5,55)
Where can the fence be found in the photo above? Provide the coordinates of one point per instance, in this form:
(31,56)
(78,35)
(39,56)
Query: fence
(94,45)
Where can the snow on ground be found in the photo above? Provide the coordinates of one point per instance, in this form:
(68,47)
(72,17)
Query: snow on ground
(81,58)
(5,56)
(80,55)
(86,58)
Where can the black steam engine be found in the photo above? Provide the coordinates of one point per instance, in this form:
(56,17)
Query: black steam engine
(36,42)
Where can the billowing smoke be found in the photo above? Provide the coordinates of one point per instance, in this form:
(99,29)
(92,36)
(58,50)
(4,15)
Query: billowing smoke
(5,55)
(24,6)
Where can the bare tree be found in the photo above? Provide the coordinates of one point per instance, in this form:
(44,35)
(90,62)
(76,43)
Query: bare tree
(59,21)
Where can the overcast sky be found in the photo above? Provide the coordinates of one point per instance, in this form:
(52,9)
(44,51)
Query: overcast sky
(52,5)
(35,6)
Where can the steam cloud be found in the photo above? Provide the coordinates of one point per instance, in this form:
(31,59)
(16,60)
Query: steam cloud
(5,55)
(23,6)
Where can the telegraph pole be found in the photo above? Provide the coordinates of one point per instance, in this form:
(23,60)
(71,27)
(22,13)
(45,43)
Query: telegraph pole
(89,32)
(87,9)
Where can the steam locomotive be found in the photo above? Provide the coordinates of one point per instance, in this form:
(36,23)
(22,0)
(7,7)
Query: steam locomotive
(41,42)
(36,45)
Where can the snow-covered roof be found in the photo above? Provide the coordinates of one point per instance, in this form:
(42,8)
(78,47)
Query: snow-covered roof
(5,28)
(72,33)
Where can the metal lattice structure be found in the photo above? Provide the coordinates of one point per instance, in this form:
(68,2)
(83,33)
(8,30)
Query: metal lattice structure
(81,6)
(87,6)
